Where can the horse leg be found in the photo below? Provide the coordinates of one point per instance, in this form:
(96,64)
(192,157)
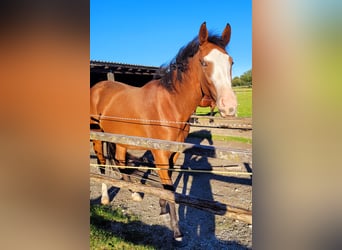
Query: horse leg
(120,159)
(162,202)
(174,158)
(212,108)
(98,148)
(161,159)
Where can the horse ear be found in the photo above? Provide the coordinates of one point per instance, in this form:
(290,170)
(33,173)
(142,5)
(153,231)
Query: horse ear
(226,34)
(203,34)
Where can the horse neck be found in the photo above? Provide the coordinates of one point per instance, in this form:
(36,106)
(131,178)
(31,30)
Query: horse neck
(188,92)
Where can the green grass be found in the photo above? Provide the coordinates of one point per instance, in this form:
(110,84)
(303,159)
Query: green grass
(198,134)
(244,96)
(101,236)
(232,138)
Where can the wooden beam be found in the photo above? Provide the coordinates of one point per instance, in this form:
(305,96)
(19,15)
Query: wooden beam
(234,155)
(214,207)
(220,122)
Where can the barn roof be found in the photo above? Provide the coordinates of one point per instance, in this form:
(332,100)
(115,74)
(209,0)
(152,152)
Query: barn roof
(102,67)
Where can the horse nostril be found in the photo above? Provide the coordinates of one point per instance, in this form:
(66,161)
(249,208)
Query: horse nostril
(231,110)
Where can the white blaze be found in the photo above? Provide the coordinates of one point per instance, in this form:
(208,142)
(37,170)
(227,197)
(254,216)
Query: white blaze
(221,78)
(221,71)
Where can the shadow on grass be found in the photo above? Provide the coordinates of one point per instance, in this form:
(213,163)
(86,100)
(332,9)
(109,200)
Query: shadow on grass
(128,230)
(134,234)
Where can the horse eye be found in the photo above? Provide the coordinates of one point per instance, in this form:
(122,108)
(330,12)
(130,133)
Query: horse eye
(203,63)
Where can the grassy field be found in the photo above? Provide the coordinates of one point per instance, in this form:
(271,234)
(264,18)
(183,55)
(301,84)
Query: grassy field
(221,137)
(244,96)
(101,237)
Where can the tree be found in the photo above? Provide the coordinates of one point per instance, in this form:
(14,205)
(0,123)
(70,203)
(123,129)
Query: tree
(236,81)
(244,80)
(247,78)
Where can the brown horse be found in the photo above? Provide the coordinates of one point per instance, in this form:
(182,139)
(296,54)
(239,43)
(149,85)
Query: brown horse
(162,107)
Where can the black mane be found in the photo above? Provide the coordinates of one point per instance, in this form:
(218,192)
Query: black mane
(180,62)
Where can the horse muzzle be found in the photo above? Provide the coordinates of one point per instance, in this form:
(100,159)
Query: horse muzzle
(227,106)
(230,112)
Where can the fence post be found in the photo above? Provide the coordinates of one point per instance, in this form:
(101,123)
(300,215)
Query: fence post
(110,76)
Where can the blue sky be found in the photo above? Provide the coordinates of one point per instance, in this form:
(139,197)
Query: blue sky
(150,32)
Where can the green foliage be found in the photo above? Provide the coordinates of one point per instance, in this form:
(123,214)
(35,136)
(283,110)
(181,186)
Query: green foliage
(244,80)
(236,82)
(247,78)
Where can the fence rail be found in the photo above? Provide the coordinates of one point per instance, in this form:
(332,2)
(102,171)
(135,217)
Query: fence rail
(202,204)
(219,122)
(234,155)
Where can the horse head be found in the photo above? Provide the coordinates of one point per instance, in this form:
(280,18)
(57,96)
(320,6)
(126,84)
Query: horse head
(217,69)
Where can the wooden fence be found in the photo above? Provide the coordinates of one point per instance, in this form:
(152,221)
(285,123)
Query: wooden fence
(202,204)
(219,122)
(231,154)
(235,155)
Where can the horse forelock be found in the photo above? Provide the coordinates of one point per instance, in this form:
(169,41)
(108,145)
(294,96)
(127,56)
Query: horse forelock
(217,40)
(180,62)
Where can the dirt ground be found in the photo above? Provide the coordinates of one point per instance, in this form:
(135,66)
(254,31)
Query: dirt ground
(201,229)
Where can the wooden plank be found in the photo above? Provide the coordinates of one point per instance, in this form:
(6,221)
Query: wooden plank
(220,122)
(214,207)
(246,120)
(234,155)
(222,125)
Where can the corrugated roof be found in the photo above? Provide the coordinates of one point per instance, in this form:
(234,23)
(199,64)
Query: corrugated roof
(106,63)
